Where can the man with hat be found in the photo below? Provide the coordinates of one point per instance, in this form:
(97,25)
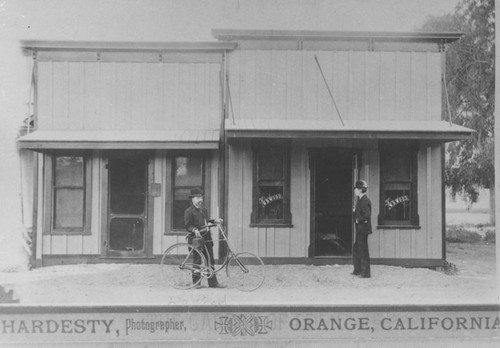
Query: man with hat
(195,219)
(362,221)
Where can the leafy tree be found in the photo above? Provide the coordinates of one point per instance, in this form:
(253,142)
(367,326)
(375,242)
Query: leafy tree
(470,86)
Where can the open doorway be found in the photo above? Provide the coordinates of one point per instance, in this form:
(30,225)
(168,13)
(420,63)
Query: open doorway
(333,172)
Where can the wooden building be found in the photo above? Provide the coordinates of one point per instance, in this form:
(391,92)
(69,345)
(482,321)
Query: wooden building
(274,126)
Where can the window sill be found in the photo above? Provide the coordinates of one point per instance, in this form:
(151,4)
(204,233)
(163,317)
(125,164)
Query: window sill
(271,225)
(398,227)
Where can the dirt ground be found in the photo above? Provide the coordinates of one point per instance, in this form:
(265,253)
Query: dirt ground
(472,282)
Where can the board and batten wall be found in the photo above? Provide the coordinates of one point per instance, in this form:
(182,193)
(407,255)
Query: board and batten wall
(284,84)
(287,84)
(90,244)
(128,95)
(124,91)
(293,242)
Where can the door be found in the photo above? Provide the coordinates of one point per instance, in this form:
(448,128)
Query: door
(333,173)
(127,228)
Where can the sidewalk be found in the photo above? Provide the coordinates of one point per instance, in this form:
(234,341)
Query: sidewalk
(132,284)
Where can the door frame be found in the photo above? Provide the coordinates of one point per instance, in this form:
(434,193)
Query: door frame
(149,209)
(313,157)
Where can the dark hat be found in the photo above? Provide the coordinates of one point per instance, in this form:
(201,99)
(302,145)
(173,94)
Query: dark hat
(196,192)
(361,184)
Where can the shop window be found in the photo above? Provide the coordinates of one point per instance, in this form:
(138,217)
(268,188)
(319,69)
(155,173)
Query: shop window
(68,193)
(271,184)
(398,184)
(187,174)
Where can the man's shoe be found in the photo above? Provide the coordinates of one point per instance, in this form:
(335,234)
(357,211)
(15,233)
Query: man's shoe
(363,276)
(220,286)
(355,273)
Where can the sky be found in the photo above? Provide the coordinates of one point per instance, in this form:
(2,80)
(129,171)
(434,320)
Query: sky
(192,20)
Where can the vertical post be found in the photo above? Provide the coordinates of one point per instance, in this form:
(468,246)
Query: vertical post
(497,156)
(442,50)
(223,154)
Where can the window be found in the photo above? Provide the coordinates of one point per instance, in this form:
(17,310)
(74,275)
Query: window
(398,184)
(271,183)
(68,194)
(187,173)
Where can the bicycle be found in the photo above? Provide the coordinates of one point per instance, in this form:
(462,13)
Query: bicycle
(245,270)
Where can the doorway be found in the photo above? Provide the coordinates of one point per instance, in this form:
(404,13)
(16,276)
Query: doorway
(127,227)
(333,172)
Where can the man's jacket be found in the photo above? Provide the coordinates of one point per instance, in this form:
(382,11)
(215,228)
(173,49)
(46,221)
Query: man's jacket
(363,215)
(197,218)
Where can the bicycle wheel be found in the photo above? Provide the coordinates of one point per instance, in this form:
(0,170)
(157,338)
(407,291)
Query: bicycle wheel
(220,262)
(246,271)
(178,265)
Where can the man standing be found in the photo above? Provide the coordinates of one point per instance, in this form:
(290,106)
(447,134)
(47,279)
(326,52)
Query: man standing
(362,221)
(195,219)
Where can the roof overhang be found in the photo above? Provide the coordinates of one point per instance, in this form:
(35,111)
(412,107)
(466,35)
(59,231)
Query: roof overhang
(309,35)
(120,139)
(352,129)
(208,46)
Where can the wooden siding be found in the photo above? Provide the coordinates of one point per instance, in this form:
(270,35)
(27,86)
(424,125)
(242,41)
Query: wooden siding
(425,242)
(420,243)
(128,96)
(78,244)
(90,244)
(286,84)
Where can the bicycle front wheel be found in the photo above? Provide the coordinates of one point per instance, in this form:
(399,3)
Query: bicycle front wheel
(182,266)
(246,271)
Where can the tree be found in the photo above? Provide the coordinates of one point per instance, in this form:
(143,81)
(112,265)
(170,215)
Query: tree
(470,87)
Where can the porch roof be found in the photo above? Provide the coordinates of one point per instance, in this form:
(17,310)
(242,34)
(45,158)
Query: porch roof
(120,139)
(360,129)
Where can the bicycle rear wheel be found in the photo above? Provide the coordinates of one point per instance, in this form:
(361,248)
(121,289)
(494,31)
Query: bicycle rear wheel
(178,265)
(246,271)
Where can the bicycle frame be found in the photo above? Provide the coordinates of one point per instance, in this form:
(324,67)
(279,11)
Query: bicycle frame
(183,263)
(230,253)
(245,269)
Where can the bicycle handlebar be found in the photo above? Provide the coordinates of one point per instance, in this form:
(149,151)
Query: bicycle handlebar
(211,224)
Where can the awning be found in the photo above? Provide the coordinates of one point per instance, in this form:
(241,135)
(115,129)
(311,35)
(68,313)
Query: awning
(360,129)
(118,139)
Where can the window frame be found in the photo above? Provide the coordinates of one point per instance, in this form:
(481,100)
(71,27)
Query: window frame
(50,190)
(258,146)
(407,148)
(170,186)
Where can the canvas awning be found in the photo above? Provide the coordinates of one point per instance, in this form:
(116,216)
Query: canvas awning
(120,139)
(360,129)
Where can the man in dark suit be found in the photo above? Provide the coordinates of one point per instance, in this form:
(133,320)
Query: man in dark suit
(362,221)
(195,219)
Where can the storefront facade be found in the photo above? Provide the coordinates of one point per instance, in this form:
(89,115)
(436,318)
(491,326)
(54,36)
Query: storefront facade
(123,131)
(311,113)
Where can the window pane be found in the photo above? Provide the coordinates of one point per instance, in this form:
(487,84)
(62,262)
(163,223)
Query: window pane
(397,165)
(188,174)
(128,185)
(68,208)
(69,171)
(271,203)
(126,234)
(271,164)
(397,201)
(188,171)
(178,213)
